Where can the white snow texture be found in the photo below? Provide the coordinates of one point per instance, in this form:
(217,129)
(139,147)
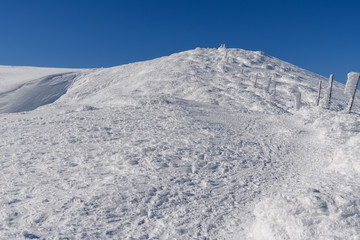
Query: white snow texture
(202,144)
(352,81)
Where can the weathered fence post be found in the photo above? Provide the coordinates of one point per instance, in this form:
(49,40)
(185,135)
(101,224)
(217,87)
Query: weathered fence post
(319,93)
(273,95)
(351,87)
(267,89)
(328,97)
(255,82)
(297,99)
(226,55)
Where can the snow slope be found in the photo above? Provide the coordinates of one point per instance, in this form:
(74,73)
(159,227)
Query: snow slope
(196,145)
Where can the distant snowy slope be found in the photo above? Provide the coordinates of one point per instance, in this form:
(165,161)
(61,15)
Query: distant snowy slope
(12,76)
(35,93)
(26,88)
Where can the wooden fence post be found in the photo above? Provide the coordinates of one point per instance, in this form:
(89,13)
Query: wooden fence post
(351,102)
(319,93)
(267,89)
(255,83)
(331,82)
(272,98)
(297,99)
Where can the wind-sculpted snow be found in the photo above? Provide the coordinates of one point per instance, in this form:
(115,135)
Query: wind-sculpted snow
(351,83)
(27,88)
(12,76)
(35,93)
(191,146)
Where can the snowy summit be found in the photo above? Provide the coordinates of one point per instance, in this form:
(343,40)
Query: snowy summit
(203,144)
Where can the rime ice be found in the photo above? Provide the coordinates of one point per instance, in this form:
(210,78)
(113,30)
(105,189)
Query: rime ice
(351,83)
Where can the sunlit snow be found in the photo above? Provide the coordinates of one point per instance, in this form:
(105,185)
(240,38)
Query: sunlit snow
(202,144)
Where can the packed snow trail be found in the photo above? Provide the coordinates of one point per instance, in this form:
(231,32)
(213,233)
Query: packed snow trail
(181,147)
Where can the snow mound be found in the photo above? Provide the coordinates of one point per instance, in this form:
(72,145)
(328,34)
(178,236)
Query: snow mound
(346,159)
(307,215)
(341,132)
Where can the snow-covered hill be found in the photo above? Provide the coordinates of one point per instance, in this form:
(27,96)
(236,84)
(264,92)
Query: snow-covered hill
(202,144)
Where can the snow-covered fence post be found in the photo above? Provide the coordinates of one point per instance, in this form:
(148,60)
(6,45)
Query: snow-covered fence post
(222,46)
(267,89)
(350,88)
(329,92)
(319,93)
(222,49)
(273,95)
(297,99)
(255,82)
(226,55)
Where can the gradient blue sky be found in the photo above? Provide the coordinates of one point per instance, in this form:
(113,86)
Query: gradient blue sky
(321,36)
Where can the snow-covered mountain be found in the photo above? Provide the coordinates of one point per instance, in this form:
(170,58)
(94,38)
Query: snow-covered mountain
(202,144)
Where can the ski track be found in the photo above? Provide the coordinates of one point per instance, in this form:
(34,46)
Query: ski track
(237,163)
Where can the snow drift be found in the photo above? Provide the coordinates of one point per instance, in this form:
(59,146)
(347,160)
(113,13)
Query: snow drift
(26,88)
(35,93)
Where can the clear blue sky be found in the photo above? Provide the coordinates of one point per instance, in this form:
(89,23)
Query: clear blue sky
(321,36)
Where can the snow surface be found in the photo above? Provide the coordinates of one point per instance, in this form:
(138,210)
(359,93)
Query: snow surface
(180,147)
(351,83)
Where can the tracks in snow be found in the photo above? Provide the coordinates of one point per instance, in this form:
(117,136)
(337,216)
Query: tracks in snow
(168,168)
